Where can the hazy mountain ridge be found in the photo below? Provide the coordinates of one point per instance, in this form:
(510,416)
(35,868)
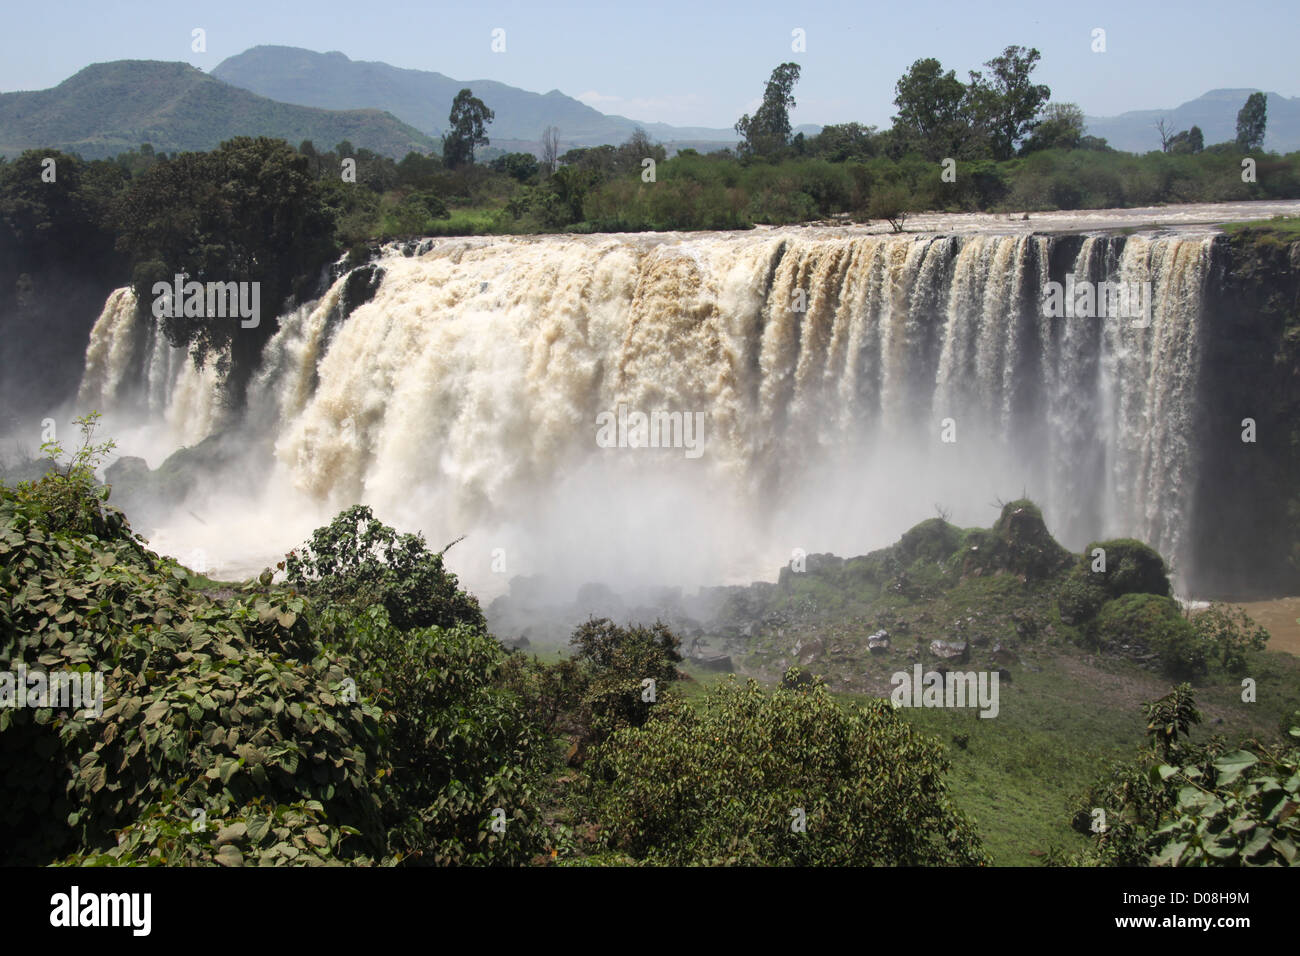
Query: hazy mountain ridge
(1214,112)
(109,107)
(423,98)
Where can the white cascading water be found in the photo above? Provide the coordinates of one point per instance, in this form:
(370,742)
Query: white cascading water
(130,366)
(463,399)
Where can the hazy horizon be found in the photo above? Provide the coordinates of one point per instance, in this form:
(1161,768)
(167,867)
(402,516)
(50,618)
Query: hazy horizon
(613,59)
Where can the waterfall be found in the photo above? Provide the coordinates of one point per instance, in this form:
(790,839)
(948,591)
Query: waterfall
(133,373)
(465,395)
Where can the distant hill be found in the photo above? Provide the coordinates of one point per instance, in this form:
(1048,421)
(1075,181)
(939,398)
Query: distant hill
(1215,113)
(423,99)
(109,107)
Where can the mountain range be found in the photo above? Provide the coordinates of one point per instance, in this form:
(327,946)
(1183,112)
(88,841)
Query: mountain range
(110,107)
(298,94)
(1214,112)
(423,99)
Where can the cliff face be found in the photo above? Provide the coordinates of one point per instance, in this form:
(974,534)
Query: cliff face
(1248,494)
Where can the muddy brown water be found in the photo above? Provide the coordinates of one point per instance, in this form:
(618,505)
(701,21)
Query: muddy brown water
(1282,618)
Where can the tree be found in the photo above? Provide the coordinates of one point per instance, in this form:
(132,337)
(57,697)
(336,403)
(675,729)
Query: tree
(1250,123)
(1166,134)
(890,203)
(769,129)
(1061,128)
(1006,104)
(468,120)
(617,661)
(1228,633)
(629,156)
(550,149)
(359,561)
(783,778)
(519,166)
(930,104)
(249,211)
(57,265)
(844,141)
(1188,141)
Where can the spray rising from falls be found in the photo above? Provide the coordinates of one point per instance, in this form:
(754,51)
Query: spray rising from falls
(846,385)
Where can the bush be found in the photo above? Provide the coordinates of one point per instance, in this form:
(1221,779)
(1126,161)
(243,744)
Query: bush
(733,781)
(1080,597)
(796,678)
(931,540)
(358,561)
(381,745)
(1185,804)
(67,497)
(1228,633)
(617,661)
(200,708)
(1018,542)
(458,746)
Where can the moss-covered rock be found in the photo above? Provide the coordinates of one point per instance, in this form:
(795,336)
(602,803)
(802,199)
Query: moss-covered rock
(1018,543)
(1150,628)
(1131,568)
(932,540)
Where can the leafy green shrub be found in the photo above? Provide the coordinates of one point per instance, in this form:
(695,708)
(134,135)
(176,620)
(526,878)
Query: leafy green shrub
(1079,597)
(358,561)
(458,746)
(796,678)
(197,703)
(165,834)
(384,744)
(67,497)
(1228,633)
(618,660)
(730,781)
(1185,804)
(552,694)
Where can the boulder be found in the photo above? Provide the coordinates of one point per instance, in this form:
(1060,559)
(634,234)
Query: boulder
(713,662)
(1004,655)
(956,652)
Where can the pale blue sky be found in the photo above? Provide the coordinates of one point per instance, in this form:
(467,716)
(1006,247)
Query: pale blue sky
(700,63)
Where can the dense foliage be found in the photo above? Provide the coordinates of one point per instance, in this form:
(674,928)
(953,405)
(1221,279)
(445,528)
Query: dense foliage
(1188,804)
(787,777)
(359,561)
(363,714)
(255,728)
(248,212)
